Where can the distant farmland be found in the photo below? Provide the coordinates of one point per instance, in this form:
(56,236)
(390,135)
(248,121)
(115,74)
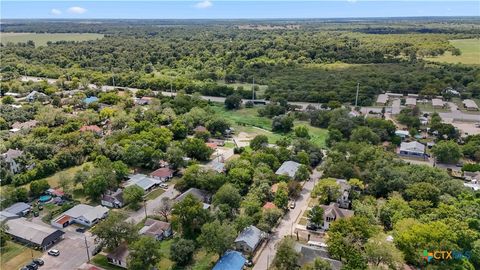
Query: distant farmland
(41,39)
(470,49)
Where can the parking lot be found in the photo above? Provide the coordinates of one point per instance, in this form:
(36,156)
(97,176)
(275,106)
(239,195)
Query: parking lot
(72,251)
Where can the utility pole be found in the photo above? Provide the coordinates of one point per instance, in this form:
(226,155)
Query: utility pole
(253,89)
(356,97)
(145,207)
(86,246)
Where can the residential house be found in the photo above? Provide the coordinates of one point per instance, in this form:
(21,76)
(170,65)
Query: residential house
(218,142)
(4,216)
(333,212)
(201,195)
(382,100)
(113,199)
(308,254)
(157,229)
(211,145)
(249,239)
(470,105)
(344,199)
(143,101)
(288,168)
(10,158)
(217,166)
(231,260)
(410,102)
(81,214)
(119,256)
(33,234)
(143,181)
(412,149)
(19,209)
(438,103)
(162,174)
(403,134)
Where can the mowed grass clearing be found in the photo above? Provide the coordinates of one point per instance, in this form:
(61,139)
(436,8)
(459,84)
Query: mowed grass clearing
(14,255)
(41,39)
(54,180)
(470,52)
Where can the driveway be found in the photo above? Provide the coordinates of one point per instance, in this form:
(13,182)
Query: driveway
(152,205)
(286,226)
(73,252)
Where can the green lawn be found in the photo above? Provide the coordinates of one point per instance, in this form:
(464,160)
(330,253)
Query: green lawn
(101,261)
(69,173)
(154,194)
(246,86)
(470,52)
(14,255)
(41,39)
(247,120)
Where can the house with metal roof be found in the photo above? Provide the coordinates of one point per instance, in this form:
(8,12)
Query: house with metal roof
(412,149)
(33,234)
(410,101)
(145,182)
(402,133)
(470,105)
(4,216)
(81,214)
(231,260)
(249,239)
(288,168)
(333,212)
(19,209)
(438,103)
(382,99)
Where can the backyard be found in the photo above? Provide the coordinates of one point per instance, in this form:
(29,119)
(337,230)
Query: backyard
(14,256)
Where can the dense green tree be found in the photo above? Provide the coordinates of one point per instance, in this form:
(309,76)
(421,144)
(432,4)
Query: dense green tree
(181,251)
(259,142)
(327,190)
(316,215)
(189,216)
(196,148)
(380,251)
(286,256)
(233,102)
(133,196)
(282,123)
(144,253)
(447,152)
(217,237)
(115,230)
(38,187)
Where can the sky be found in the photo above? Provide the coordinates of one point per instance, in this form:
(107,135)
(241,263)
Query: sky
(231,9)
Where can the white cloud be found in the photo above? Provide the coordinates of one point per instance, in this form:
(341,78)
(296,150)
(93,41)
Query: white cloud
(76,10)
(204,4)
(55,11)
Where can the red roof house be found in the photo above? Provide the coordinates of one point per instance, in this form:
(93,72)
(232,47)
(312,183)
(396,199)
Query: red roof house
(162,173)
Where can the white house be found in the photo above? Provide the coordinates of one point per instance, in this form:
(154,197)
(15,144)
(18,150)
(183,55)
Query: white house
(81,214)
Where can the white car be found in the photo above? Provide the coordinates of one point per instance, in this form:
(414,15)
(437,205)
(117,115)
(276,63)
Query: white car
(54,252)
(164,186)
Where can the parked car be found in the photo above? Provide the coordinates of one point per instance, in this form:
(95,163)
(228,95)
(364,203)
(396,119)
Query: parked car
(249,263)
(81,229)
(54,252)
(292,205)
(24,268)
(164,186)
(312,226)
(38,262)
(32,266)
(36,214)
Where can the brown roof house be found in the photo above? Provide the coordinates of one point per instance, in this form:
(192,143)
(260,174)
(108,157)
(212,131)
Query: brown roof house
(119,256)
(163,174)
(333,212)
(156,229)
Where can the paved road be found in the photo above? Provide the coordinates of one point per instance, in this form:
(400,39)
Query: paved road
(152,205)
(286,226)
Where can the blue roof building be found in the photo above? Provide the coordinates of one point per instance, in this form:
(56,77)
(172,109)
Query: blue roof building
(89,100)
(231,260)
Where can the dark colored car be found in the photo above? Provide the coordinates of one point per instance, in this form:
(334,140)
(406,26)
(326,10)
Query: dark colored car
(24,268)
(38,262)
(32,266)
(312,227)
(81,229)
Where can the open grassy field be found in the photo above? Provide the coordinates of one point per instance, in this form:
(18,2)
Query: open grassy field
(247,120)
(14,256)
(41,39)
(470,52)
(54,180)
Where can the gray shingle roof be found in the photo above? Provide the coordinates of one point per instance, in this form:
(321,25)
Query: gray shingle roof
(33,232)
(87,211)
(251,235)
(17,208)
(414,146)
(288,168)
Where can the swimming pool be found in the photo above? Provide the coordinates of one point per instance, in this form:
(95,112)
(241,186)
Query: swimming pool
(44,198)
